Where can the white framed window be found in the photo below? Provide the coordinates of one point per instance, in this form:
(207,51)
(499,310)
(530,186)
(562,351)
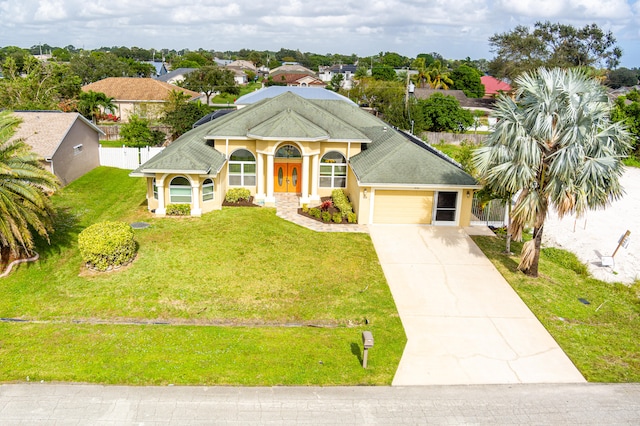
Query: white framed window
(155,189)
(333,170)
(242,168)
(77,149)
(180,190)
(207,190)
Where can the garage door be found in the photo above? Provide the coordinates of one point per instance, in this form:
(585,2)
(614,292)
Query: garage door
(402,206)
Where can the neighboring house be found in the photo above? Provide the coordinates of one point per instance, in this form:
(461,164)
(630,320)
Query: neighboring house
(144,97)
(160,67)
(239,76)
(347,71)
(290,69)
(300,80)
(493,87)
(243,65)
(66,142)
(310,145)
(175,76)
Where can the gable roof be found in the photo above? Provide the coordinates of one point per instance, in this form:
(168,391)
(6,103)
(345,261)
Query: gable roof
(493,86)
(44,131)
(291,69)
(172,75)
(136,89)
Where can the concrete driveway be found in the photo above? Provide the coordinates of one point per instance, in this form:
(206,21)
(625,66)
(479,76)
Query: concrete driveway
(464,323)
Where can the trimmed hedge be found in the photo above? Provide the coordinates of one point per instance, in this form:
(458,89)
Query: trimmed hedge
(236,194)
(341,202)
(107,245)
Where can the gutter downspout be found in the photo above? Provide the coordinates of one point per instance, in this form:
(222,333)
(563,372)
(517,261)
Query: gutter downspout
(50,160)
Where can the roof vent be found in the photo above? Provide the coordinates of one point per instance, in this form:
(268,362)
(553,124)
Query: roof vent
(384,128)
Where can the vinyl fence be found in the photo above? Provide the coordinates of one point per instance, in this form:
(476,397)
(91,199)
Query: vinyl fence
(127,158)
(494,213)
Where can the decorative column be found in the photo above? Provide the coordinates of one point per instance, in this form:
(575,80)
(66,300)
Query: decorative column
(315,176)
(305,180)
(260,176)
(195,199)
(270,199)
(161,210)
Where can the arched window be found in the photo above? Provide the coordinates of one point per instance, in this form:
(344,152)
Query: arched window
(180,190)
(207,190)
(333,170)
(242,168)
(288,151)
(155,189)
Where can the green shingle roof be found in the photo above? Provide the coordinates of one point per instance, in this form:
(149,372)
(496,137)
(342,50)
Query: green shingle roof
(390,157)
(337,127)
(394,159)
(288,125)
(188,153)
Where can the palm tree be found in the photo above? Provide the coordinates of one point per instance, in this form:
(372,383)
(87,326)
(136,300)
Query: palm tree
(556,145)
(91,103)
(438,77)
(25,207)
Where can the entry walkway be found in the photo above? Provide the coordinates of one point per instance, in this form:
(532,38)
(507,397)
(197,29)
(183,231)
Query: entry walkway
(287,208)
(464,323)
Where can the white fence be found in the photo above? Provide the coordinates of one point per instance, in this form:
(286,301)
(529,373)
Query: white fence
(127,158)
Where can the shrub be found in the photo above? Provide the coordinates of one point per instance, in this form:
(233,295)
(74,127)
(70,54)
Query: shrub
(178,210)
(106,245)
(305,208)
(326,216)
(352,218)
(315,212)
(326,205)
(236,194)
(341,202)
(337,218)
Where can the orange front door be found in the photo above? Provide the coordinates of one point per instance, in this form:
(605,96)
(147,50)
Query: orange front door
(287,177)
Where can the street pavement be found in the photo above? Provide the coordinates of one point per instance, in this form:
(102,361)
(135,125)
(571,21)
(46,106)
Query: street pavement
(525,404)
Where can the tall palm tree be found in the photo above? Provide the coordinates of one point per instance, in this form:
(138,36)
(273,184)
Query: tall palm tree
(25,207)
(556,145)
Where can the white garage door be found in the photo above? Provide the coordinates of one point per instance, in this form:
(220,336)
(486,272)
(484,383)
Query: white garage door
(402,206)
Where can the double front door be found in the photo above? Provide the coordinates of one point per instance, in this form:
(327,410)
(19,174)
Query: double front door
(287,177)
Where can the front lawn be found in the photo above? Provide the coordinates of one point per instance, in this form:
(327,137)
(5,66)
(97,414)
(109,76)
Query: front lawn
(602,338)
(238,296)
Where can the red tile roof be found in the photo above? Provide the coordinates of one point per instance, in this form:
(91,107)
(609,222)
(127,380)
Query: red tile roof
(493,86)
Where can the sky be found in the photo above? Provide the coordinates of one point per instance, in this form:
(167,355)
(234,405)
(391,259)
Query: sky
(455,29)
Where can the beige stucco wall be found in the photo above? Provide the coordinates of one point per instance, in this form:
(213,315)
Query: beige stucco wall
(219,191)
(465,207)
(69,164)
(150,110)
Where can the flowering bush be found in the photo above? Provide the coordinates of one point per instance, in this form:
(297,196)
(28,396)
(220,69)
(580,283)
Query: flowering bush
(326,205)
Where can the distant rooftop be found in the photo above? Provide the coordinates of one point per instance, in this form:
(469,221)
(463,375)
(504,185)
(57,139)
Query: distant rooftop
(304,92)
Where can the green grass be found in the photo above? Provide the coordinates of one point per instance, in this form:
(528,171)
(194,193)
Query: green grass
(227,98)
(249,299)
(602,338)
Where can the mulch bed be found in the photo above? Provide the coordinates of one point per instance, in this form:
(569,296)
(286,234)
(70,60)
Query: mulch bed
(241,203)
(332,210)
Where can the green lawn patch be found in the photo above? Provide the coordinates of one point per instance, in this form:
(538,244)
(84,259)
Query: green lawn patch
(245,298)
(601,338)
